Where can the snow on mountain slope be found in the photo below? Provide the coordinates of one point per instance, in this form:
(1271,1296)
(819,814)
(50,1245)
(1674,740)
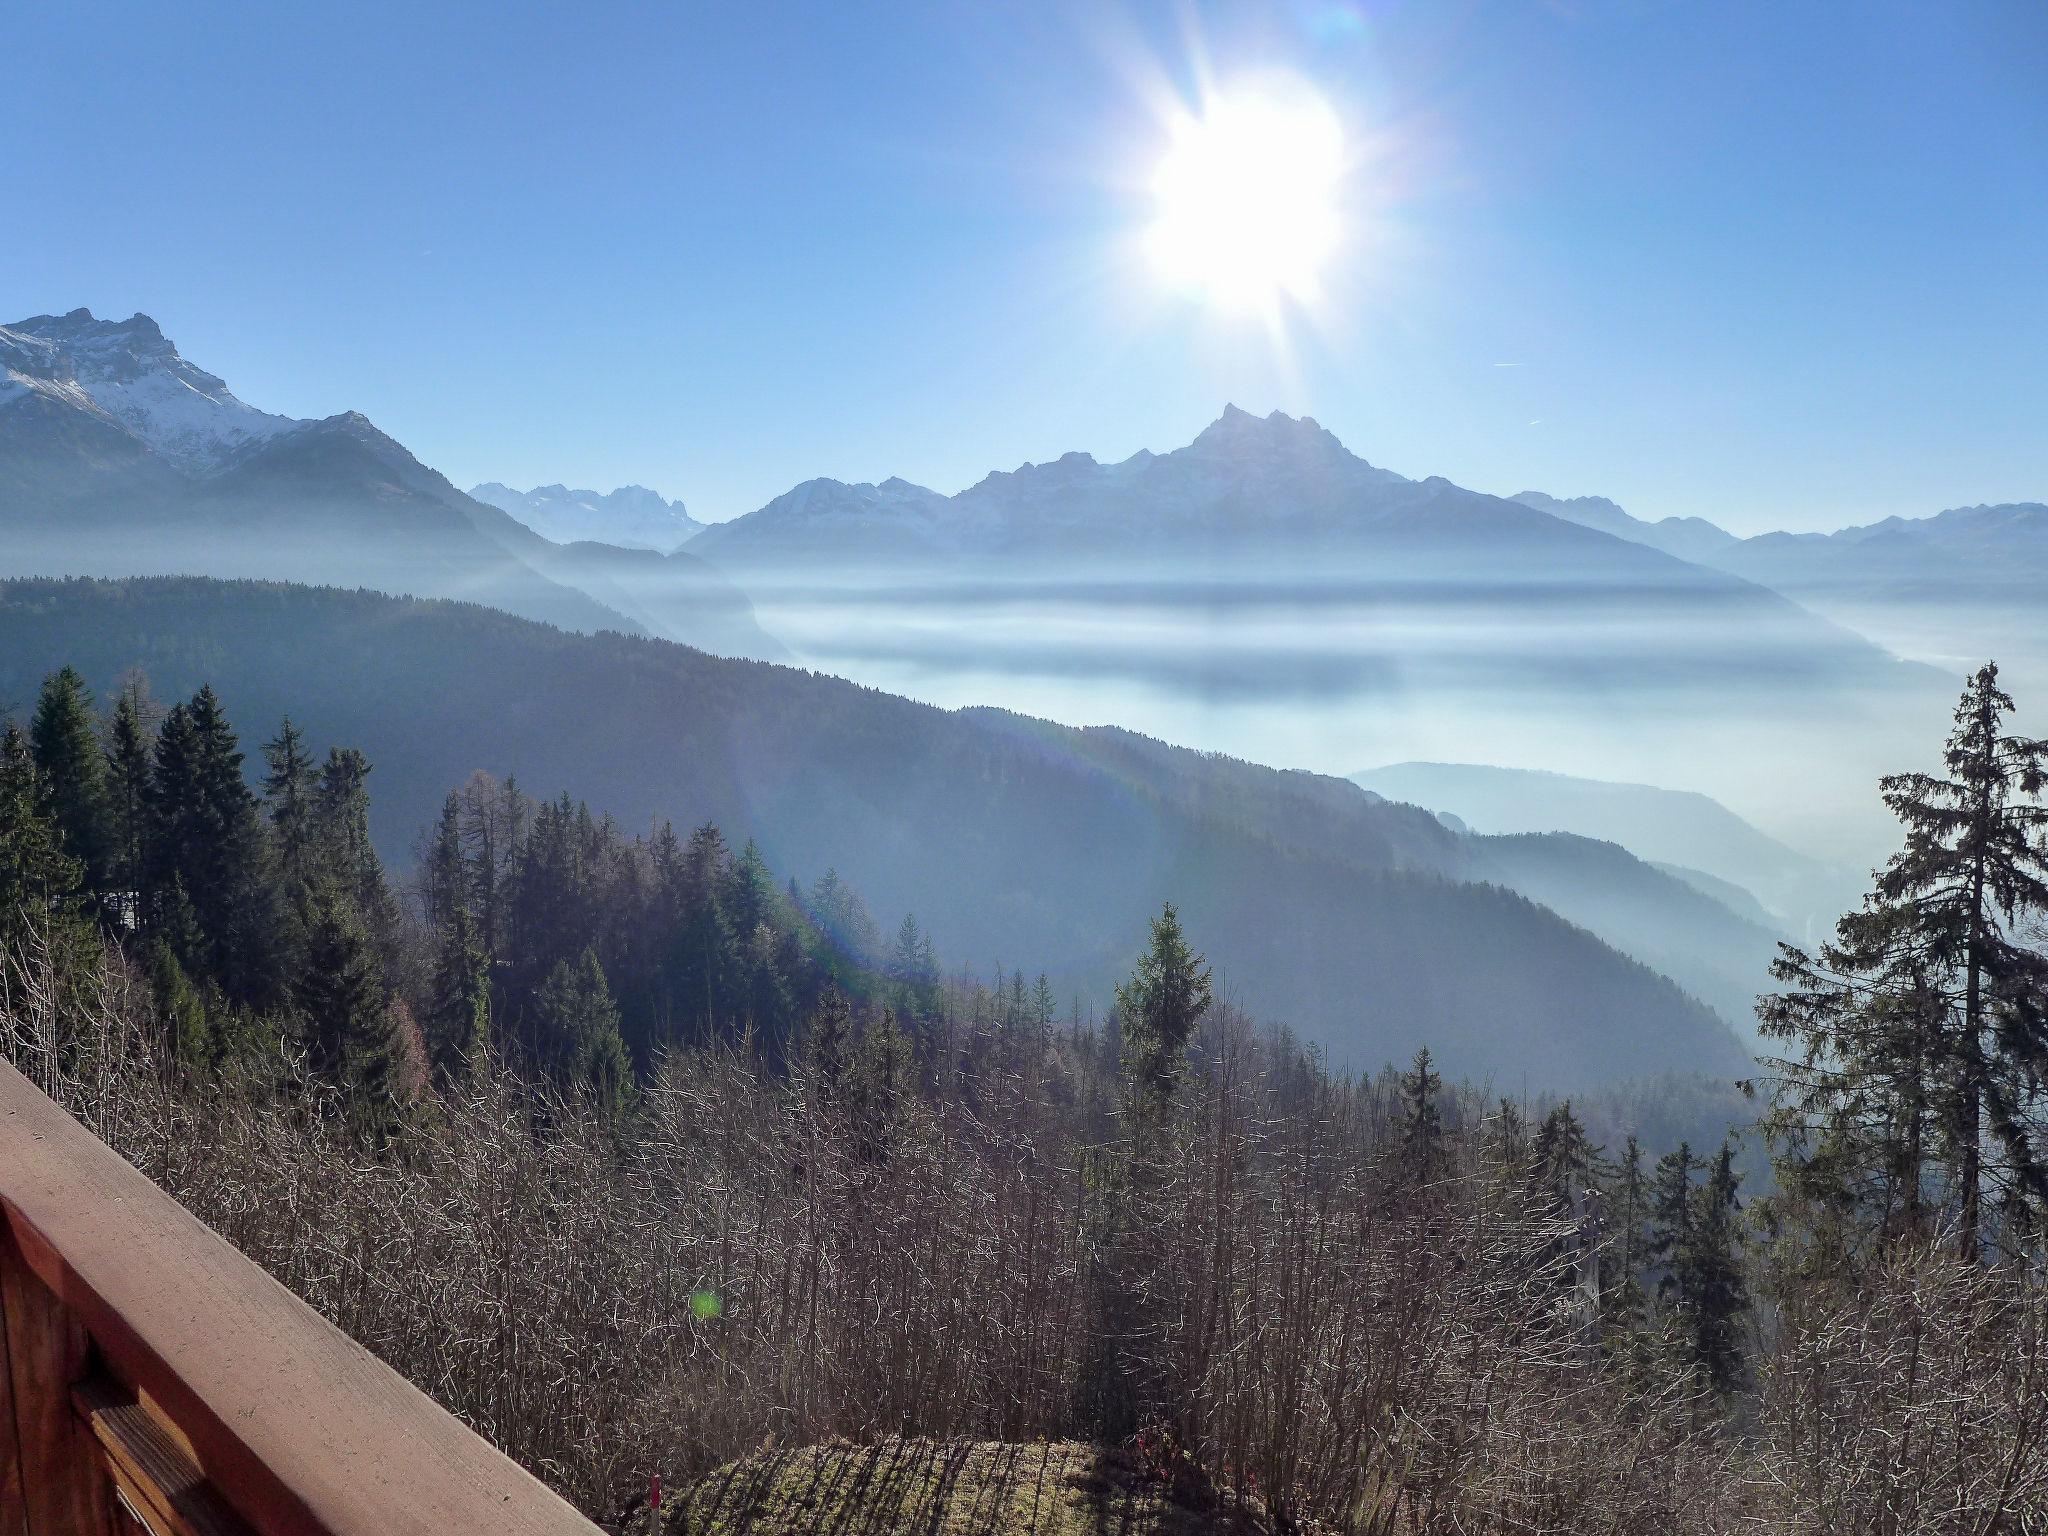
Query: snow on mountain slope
(1274,491)
(120,458)
(631,517)
(129,372)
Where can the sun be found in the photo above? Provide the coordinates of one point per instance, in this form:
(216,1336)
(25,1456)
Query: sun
(1246,199)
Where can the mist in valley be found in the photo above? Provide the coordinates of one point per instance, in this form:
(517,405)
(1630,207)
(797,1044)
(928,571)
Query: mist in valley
(1335,677)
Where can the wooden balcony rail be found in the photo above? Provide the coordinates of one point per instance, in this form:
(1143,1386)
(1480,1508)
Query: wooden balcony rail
(152,1379)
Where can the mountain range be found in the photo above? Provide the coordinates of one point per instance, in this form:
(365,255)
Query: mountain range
(1952,588)
(1263,561)
(631,517)
(120,457)
(1262,510)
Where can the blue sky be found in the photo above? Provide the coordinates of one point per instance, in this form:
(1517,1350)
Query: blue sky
(1778,265)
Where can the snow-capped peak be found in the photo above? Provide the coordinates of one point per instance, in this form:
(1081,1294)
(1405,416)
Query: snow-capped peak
(129,372)
(632,517)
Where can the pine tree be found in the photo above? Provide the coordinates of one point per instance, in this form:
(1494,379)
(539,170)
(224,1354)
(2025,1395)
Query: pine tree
(914,968)
(289,789)
(40,884)
(1422,1120)
(880,1084)
(444,872)
(1715,1296)
(1671,1213)
(67,752)
(551,923)
(903,958)
(1621,1286)
(341,822)
(1508,1139)
(129,735)
(1165,999)
(182,1012)
(1923,1027)
(1566,1170)
(1044,1009)
(700,954)
(493,823)
(204,833)
(1566,1159)
(577,1033)
(351,1037)
(829,1043)
(458,1023)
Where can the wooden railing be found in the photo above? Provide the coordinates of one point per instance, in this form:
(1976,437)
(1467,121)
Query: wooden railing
(154,1380)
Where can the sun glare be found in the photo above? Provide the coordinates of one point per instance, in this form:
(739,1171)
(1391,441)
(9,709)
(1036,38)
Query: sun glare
(1246,198)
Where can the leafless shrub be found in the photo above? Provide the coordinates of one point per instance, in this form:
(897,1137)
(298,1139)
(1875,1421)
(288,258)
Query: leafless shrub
(766,1258)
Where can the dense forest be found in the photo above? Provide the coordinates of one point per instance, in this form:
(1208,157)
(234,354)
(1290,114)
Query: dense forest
(639,1154)
(1366,926)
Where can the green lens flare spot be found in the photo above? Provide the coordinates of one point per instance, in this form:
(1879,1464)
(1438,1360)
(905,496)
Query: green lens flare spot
(705,1305)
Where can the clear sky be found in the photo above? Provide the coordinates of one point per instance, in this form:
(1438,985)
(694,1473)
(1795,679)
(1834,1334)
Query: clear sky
(1777,264)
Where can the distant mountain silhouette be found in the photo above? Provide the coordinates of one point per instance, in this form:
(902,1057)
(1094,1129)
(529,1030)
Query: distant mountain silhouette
(631,517)
(1691,831)
(1955,588)
(118,457)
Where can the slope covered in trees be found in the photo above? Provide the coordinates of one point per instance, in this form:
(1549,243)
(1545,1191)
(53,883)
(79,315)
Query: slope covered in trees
(1668,826)
(1009,838)
(1671,926)
(850,1197)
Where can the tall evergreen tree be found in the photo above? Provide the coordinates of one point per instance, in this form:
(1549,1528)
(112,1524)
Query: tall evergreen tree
(182,1011)
(914,969)
(700,952)
(828,1045)
(1627,1204)
(1165,999)
(1422,1119)
(1671,1213)
(289,787)
(205,834)
(1566,1170)
(341,815)
(458,1021)
(40,883)
(67,751)
(444,871)
(1044,1009)
(577,1029)
(550,913)
(1508,1139)
(1927,1016)
(129,737)
(351,1035)
(1566,1159)
(1714,1291)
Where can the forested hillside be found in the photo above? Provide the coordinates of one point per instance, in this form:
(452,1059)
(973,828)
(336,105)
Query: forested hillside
(1008,838)
(1720,957)
(826,1198)
(1665,825)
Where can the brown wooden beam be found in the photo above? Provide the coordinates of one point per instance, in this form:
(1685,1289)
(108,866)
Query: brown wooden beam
(151,1466)
(13,1508)
(63,1479)
(300,1430)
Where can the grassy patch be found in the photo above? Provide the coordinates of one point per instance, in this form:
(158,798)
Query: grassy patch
(945,1488)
